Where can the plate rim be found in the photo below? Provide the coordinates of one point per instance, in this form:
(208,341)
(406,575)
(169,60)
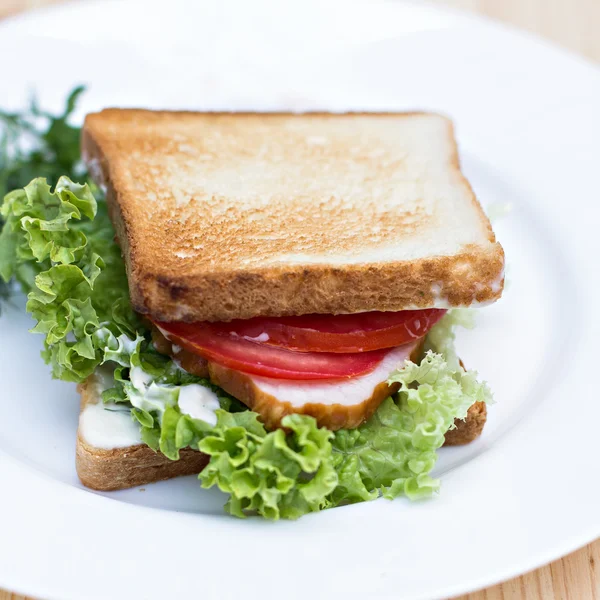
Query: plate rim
(561,548)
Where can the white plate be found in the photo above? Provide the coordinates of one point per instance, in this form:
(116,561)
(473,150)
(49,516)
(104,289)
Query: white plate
(528,127)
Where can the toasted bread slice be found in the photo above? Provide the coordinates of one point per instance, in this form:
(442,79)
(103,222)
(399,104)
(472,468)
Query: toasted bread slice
(130,464)
(288,214)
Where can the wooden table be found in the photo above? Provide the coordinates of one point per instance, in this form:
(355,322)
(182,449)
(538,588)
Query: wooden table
(574,24)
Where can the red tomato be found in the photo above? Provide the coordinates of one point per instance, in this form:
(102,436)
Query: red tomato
(206,340)
(360,332)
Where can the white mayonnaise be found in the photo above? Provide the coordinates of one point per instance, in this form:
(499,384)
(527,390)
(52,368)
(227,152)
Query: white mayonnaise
(263,337)
(139,378)
(104,379)
(111,425)
(198,402)
(108,426)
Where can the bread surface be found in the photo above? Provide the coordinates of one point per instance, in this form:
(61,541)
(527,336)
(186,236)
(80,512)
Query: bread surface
(234,215)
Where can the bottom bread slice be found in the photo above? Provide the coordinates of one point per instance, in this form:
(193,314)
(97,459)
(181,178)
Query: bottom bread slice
(125,467)
(120,468)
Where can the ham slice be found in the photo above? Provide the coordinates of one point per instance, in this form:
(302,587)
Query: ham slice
(340,404)
(335,404)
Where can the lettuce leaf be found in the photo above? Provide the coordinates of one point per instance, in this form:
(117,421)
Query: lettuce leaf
(395,451)
(272,474)
(60,247)
(442,337)
(36,143)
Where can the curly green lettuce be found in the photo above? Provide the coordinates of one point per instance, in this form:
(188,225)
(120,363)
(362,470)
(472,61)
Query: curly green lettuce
(395,451)
(272,474)
(59,245)
(35,143)
(441,339)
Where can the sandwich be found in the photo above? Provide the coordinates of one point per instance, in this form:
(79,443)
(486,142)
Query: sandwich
(266,300)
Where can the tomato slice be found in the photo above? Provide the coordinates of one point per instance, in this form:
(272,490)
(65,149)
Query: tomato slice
(208,341)
(360,332)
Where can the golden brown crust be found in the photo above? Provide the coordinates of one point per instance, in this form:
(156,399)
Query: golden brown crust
(470,429)
(120,468)
(296,290)
(182,287)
